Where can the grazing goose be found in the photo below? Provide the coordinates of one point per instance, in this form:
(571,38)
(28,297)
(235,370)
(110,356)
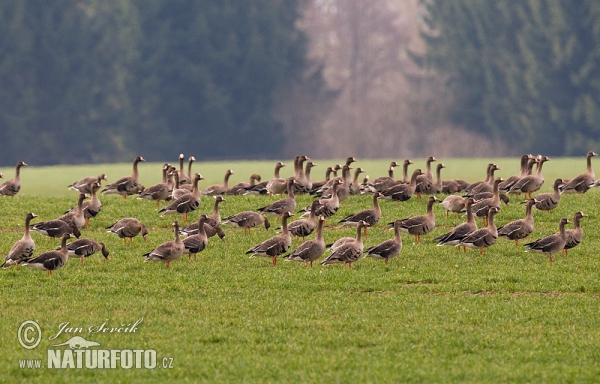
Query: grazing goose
(128,185)
(460,231)
(274,246)
(219,189)
(483,237)
(169,250)
(481,208)
(574,236)
(584,181)
(549,201)
(281,206)
(420,225)
(384,182)
(247,220)
(243,187)
(22,250)
(552,243)
(519,229)
(389,248)
(51,260)
(84,185)
(277,185)
(508,183)
(161,191)
(311,250)
(318,184)
(403,192)
(56,228)
(328,207)
(370,216)
(86,247)
(355,186)
(13,186)
(486,186)
(529,184)
(425,180)
(128,228)
(75,215)
(186,203)
(304,227)
(196,243)
(348,252)
(454,203)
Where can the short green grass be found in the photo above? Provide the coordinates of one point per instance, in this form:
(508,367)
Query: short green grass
(432,315)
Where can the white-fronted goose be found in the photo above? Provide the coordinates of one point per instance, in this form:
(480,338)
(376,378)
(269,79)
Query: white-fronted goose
(299,175)
(350,251)
(196,243)
(552,243)
(343,190)
(549,201)
(508,183)
(451,186)
(22,250)
(486,186)
(308,184)
(128,228)
(384,182)
(56,228)
(169,250)
(369,216)
(529,184)
(389,248)
(161,191)
(483,237)
(85,247)
(183,178)
(186,203)
(454,203)
(192,229)
(355,186)
(584,181)
(243,187)
(277,185)
(281,206)
(403,192)
(575,235)
(219,189)
(311,250)
(460,231)
(481,208)
(214,220)
(247,220)
(304,227)
(405,178)
(420,225)
(75,215)
(178,189)
(274,246)
(128,185)
(425,180)
(51,260)
(93,206)
(13,186)
(328,207)
(476,183)
(519,229)
(84,185)
(318,184)
(437,186)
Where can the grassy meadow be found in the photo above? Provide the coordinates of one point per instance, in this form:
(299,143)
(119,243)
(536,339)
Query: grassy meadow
(431,315)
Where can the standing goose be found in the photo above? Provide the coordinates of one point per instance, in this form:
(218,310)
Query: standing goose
(584,181)
(169,250)
(370,216)
(483,237)
(459,232)
(403,192)
(384,182)
(128,185)
(84,185)
(389,248)
(186,203)
(454,203)
(481,208)
(281,206)
(405,178)
(328,207)
(86,247)
(355,187)
(161,191)
(574,236)
(304,227)
(277,185)
(214,220)
(76,215)
(318,184)
(508,183)
(219,189)
(128,228)
(183,177)
(192,229)
(343,190)
(178,189)
(22,250)
(486,186)
(311,250)
(549,201)
(247,220)
(196,243)
(51,260)
(13,186)
(437,186)
(420,225)
(350,251)
(243,187)
(529,184)
(299,174)
(93,206)
(487,180)
(274,246)
(552,243)
(56,228)
(307,179)
(425,181)
(519,229)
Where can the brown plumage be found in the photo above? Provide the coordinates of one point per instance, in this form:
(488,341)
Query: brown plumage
(575,235)
(51,260)
(128,185)
(13,186)
(552,243)
(84,185)
(22,250)
(128,228)
(186,203)
(584,181)
(274,246)
(279,207)
(219,189)
(483,237)
(247,220)
(311,250)
(169,250)
(85,247)
(420,225)
(348,252)
(549,201)
(403,192)
(519,229)
(460,231)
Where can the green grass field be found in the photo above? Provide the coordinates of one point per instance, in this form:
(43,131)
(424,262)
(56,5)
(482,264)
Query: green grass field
(432,315)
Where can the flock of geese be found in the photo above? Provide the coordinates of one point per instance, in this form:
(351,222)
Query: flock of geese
(180,193)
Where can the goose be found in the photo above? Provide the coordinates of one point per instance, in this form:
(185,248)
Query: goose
(128,228)
(161,191)
(487,180)
(192,229)
(529,184)
(483,237)
(549,201)
(355,186)
(23,249)
(274,246)
(219,189)
(75,215)
(56,228)
(281,206)
(299,175)
(327,186)
(370,216)
(169,250)
(349,252)
(277,185)
(304,227)
(51,260)
(452,186)
(92,207)
(243,187)
(420,225)
(574,236)
(343,190)
(481,208)
(328,207)
(389,248)
(403,192)
(384,182)
(460,231)
(454,203)
(437,186)
(196,243)
(183,178)
(311,250)
(486,186)
(186,203)
(13,186)
(509,182)
(425,180)
(519,229)
(552,243)
(247,220)
(584,181)
(318,184)
(307,178)
(178,189)
(85,247)
(214,220)
(405,164)
(128,185)
(84,185)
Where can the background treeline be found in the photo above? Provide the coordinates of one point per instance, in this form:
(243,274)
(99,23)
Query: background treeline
(88,81)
